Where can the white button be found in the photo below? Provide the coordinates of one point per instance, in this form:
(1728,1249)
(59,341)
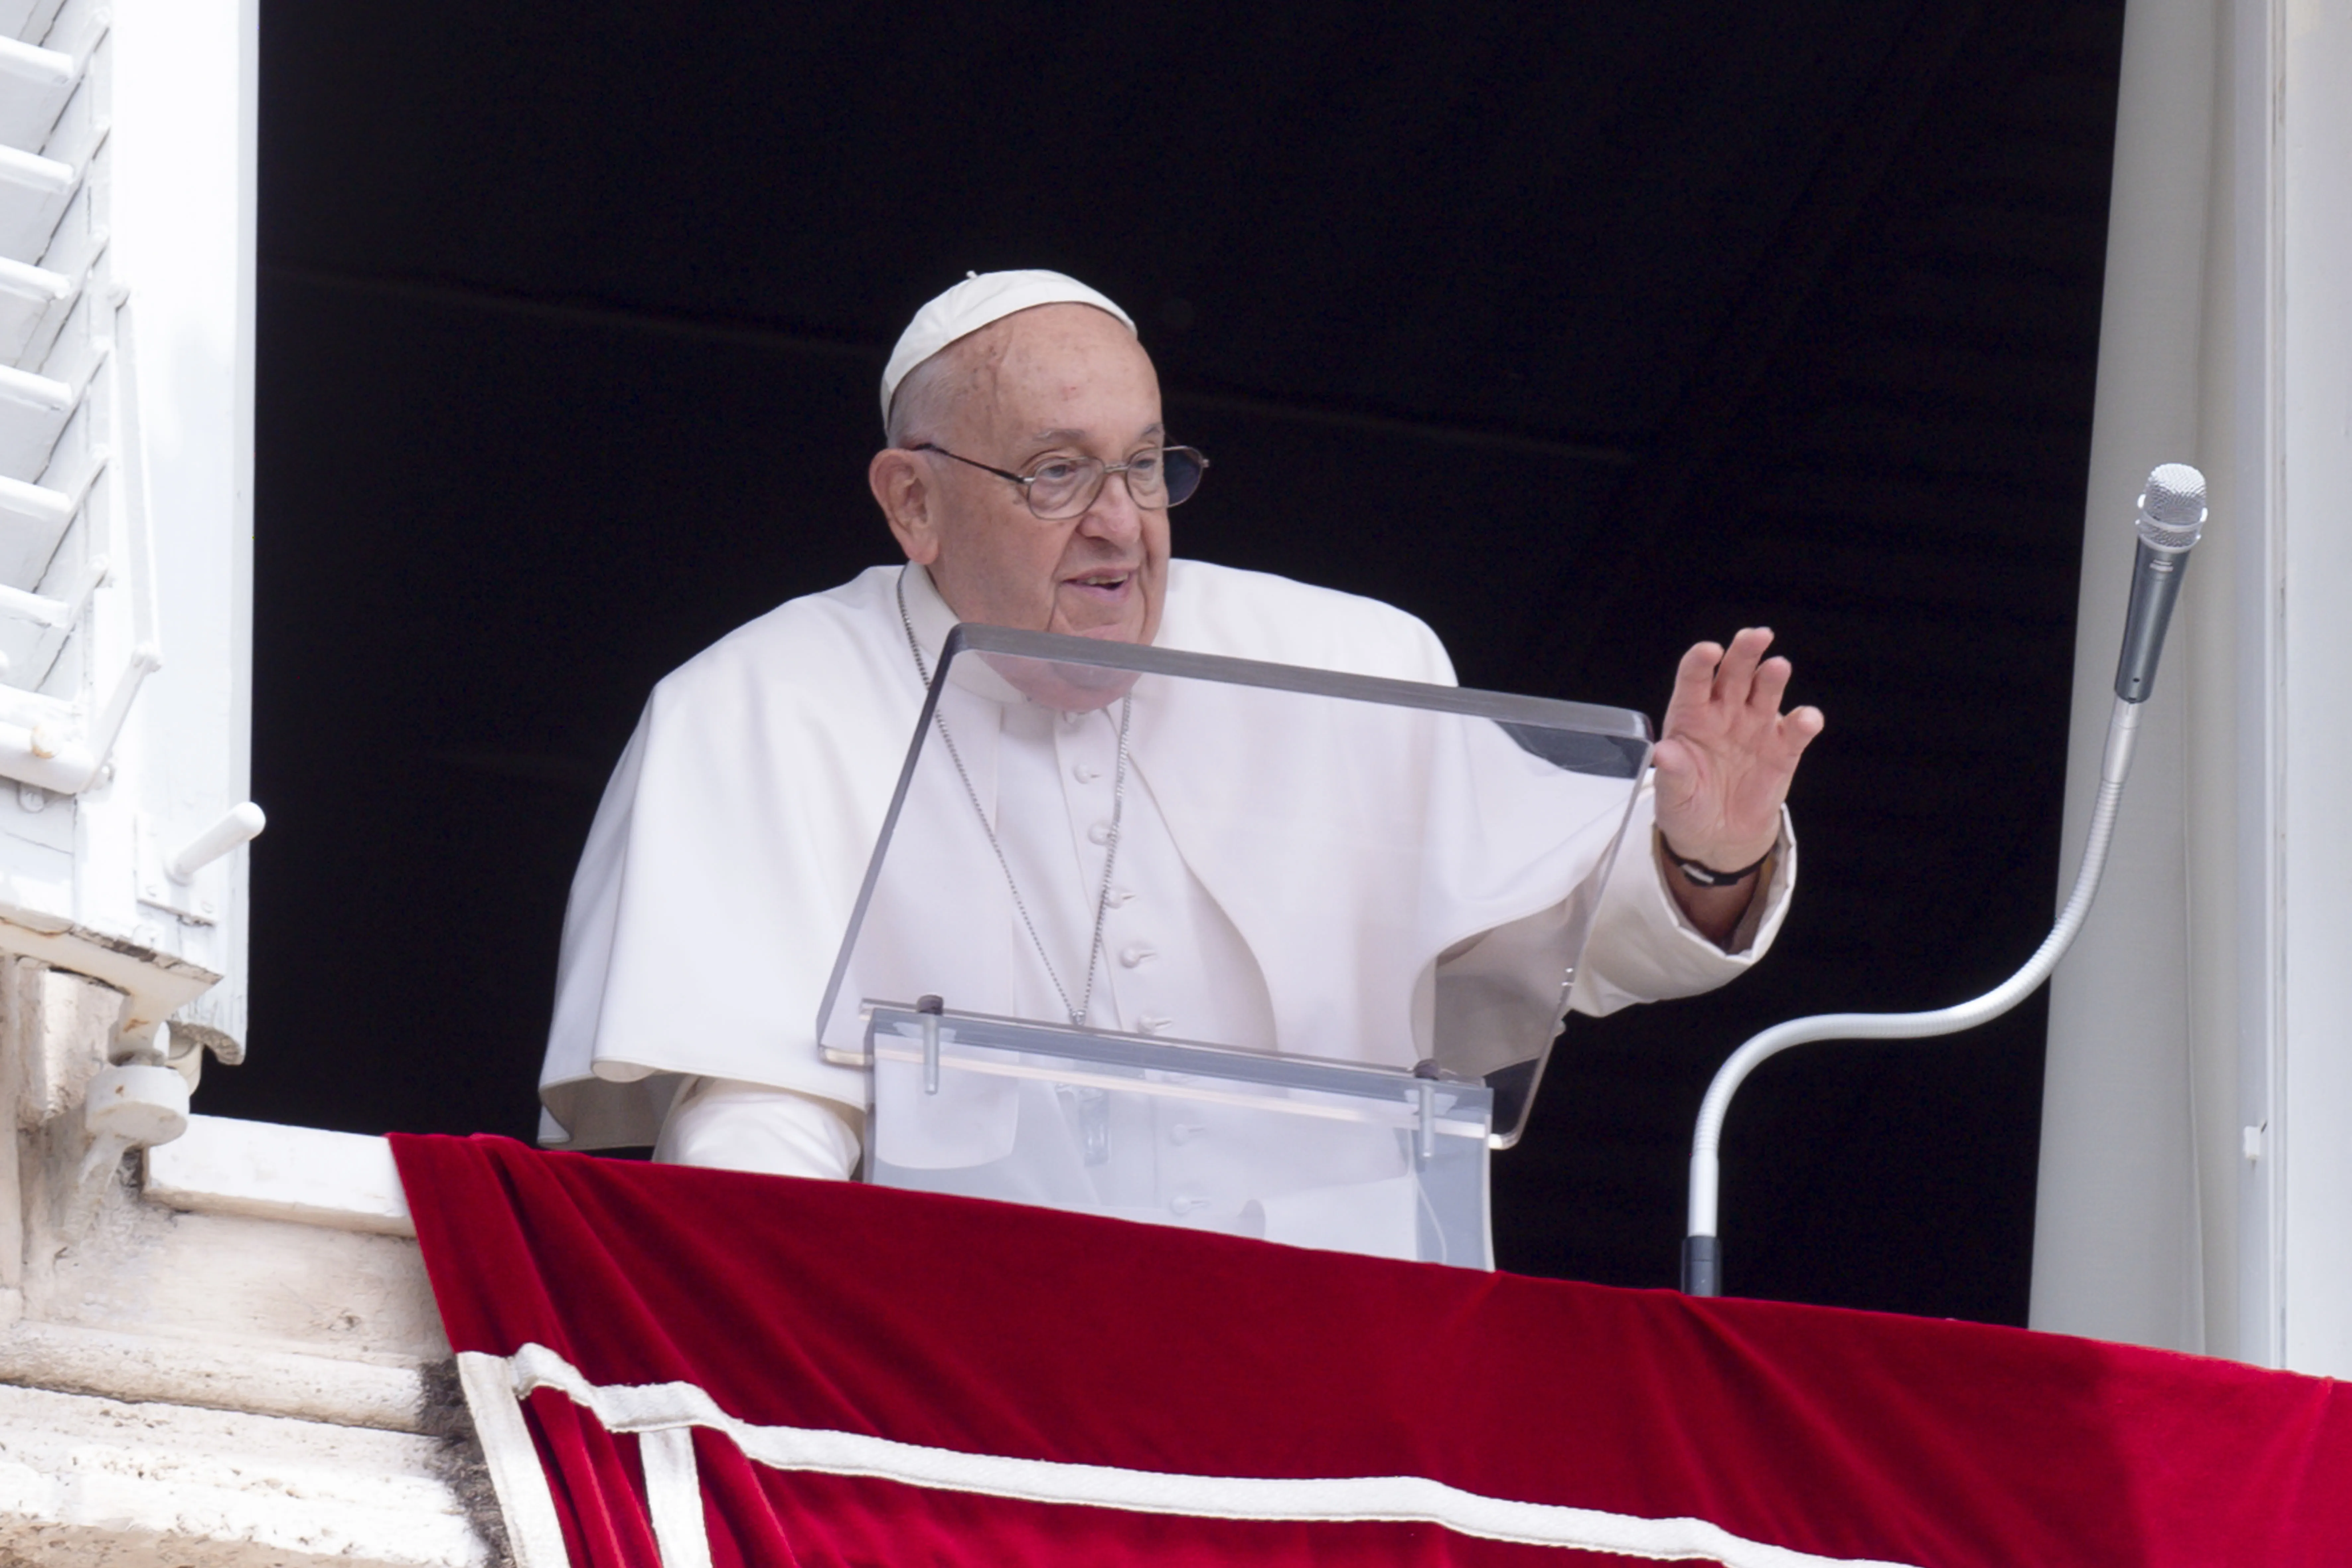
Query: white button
(1188,1203)
(1121,896)
(1185,1132)
(1086,772)
(1136,955)
(1153,1023)
(1098,834)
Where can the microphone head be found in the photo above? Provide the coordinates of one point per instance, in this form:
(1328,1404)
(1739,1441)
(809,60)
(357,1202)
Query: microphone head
(2172,509)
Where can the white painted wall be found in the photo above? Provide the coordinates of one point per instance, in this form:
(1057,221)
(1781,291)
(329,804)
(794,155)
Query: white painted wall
(184,140)
(2196,1176)
(2313,506)
(2114,1236)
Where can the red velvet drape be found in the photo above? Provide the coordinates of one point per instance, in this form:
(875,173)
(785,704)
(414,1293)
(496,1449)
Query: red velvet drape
(989,1329)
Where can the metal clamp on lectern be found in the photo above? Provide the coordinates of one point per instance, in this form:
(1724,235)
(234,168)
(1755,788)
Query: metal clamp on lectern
(929,1008)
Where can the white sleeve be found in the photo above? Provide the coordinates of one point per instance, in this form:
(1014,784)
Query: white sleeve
(737,1126)
(1643,949)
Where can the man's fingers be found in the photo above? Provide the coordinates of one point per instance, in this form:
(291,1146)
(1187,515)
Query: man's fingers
(1771,681)
(1695,677)
(1736,673)
(1801,727)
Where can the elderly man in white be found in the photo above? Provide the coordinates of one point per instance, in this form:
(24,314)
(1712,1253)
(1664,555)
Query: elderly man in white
(1028,478)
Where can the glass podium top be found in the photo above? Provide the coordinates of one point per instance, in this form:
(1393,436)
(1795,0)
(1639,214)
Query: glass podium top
(1139,847)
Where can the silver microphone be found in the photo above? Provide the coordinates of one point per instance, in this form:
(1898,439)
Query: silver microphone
(2171,518)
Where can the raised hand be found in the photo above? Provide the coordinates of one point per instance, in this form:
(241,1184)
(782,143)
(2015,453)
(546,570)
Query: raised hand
(1727,754)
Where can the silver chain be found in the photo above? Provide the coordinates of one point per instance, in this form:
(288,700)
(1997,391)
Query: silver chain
(1111,856)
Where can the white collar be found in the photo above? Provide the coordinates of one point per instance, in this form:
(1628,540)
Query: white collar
(932,620)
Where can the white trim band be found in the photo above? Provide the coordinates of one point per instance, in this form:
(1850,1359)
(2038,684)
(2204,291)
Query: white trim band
(646,1408)
(534,1533)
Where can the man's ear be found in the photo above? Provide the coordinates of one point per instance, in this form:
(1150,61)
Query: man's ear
(902,486)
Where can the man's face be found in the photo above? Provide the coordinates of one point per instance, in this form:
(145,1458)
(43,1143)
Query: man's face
(1059,381)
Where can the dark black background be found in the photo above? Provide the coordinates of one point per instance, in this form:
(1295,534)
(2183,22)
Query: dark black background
(1583,333)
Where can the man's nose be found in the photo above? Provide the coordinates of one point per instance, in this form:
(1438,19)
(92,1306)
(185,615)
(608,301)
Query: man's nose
(1114,514)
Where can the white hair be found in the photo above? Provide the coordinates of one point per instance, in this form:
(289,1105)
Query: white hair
(924,404)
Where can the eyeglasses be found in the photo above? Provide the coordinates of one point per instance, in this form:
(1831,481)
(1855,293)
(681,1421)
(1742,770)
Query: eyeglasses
(1064,488)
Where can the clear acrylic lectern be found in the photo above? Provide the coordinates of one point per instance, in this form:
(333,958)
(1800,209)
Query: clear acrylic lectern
(1201,942)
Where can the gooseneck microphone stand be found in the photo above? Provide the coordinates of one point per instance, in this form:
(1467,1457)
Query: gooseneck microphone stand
(2171,518)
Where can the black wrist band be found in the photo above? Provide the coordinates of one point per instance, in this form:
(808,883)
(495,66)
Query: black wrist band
(1707,876)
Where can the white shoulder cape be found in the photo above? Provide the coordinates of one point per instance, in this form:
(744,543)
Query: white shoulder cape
(728,850)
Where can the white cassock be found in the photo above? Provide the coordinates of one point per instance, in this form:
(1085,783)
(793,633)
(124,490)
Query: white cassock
(727,855)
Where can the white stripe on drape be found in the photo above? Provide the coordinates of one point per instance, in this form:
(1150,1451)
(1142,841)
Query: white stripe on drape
(533,1532)
(674,1496)
(673,1409)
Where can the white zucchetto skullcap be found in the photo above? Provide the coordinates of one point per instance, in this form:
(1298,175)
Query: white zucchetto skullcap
(980,299)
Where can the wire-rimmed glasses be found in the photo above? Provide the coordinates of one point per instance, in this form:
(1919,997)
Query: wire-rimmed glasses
(1064,488)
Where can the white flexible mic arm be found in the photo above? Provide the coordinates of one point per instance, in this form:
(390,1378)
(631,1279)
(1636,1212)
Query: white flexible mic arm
(2171,489)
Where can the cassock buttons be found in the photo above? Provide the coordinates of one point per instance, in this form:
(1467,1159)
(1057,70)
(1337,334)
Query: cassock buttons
(1185,1132)
(1137,955)
(1121,896)
(1187,1203)
(1086,772)
(1098,834)
(1153,1023)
